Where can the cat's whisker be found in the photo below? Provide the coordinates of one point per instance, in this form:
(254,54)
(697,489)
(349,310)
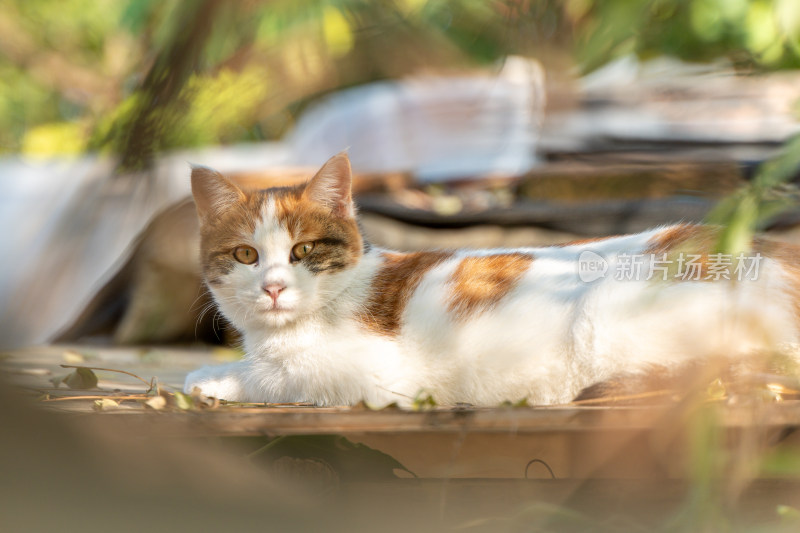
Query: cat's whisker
(204,292)
(200,317)
(215,324)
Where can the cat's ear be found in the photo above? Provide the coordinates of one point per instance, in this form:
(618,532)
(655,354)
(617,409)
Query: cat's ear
(213,192)
(331,186)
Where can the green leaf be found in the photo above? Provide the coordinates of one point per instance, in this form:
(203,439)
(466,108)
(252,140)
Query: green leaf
(749,208)
(423,401)
(788,513)
(782,168)
(519,403)
(81,378)
(737,235)
(183,401)
(380,407)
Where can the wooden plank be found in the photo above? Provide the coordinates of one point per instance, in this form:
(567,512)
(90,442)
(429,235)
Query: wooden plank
(320,420)
(630,442)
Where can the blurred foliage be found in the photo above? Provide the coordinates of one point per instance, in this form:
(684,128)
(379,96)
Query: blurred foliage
(757,203)
(140,76)
(764,33)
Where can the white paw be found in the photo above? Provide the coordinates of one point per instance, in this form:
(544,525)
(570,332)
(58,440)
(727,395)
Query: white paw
(215,381)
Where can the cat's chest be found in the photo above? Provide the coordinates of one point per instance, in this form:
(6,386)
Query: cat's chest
(323,348)
(338,363)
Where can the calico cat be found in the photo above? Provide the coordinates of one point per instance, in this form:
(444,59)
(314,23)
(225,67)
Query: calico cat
(328,319)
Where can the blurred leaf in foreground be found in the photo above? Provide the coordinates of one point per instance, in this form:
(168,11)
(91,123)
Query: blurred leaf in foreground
(763,198)
(788,514)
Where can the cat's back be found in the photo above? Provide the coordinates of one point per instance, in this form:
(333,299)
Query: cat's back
(565,316)
(464,284)
(458,286)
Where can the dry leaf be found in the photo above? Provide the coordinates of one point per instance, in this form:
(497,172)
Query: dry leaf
(156,402)
(105,404)
(81,378)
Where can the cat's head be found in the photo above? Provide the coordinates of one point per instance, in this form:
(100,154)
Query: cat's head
(273,256)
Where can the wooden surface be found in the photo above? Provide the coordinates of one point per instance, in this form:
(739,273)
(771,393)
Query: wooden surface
(117,368)
(575,441)
(32,369)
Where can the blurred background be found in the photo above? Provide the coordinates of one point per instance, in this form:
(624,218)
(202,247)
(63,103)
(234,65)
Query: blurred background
(469,123)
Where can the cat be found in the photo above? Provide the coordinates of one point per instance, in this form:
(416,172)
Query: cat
(328,319)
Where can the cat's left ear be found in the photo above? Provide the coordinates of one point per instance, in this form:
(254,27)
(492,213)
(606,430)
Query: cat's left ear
(331,186)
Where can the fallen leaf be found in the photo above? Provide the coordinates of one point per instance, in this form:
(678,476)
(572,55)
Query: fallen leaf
(105,404)
(57,380)
(156,402)
(519,403)
(423,401)
(81,378)
(376,407)
(183,401)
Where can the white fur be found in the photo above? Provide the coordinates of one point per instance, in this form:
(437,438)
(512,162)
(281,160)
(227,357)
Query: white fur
(549,338)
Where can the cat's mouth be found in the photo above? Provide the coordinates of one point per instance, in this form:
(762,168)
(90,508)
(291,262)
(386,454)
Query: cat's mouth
(277,309)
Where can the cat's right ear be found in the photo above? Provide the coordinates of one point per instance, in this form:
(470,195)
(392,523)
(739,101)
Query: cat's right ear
(213,193)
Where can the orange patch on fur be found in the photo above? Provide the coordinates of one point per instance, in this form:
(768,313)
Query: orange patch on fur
(219,237)
(683,243)
(479,283)
(688,238)
(393,286)
(338,241)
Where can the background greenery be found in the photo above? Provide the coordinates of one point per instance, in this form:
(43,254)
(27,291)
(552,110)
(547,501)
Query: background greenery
(140,76)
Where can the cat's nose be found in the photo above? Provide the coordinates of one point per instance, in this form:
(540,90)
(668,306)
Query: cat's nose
(273,289)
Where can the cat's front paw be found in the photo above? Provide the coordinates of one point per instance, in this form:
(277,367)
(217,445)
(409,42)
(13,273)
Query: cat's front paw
(221,382)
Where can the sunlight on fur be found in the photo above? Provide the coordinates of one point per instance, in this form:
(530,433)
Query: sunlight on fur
(349,322)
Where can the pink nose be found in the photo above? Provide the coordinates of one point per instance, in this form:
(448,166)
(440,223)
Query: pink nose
(274,289)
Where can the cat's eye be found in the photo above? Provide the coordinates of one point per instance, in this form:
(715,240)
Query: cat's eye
(301,250)
(245,254)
